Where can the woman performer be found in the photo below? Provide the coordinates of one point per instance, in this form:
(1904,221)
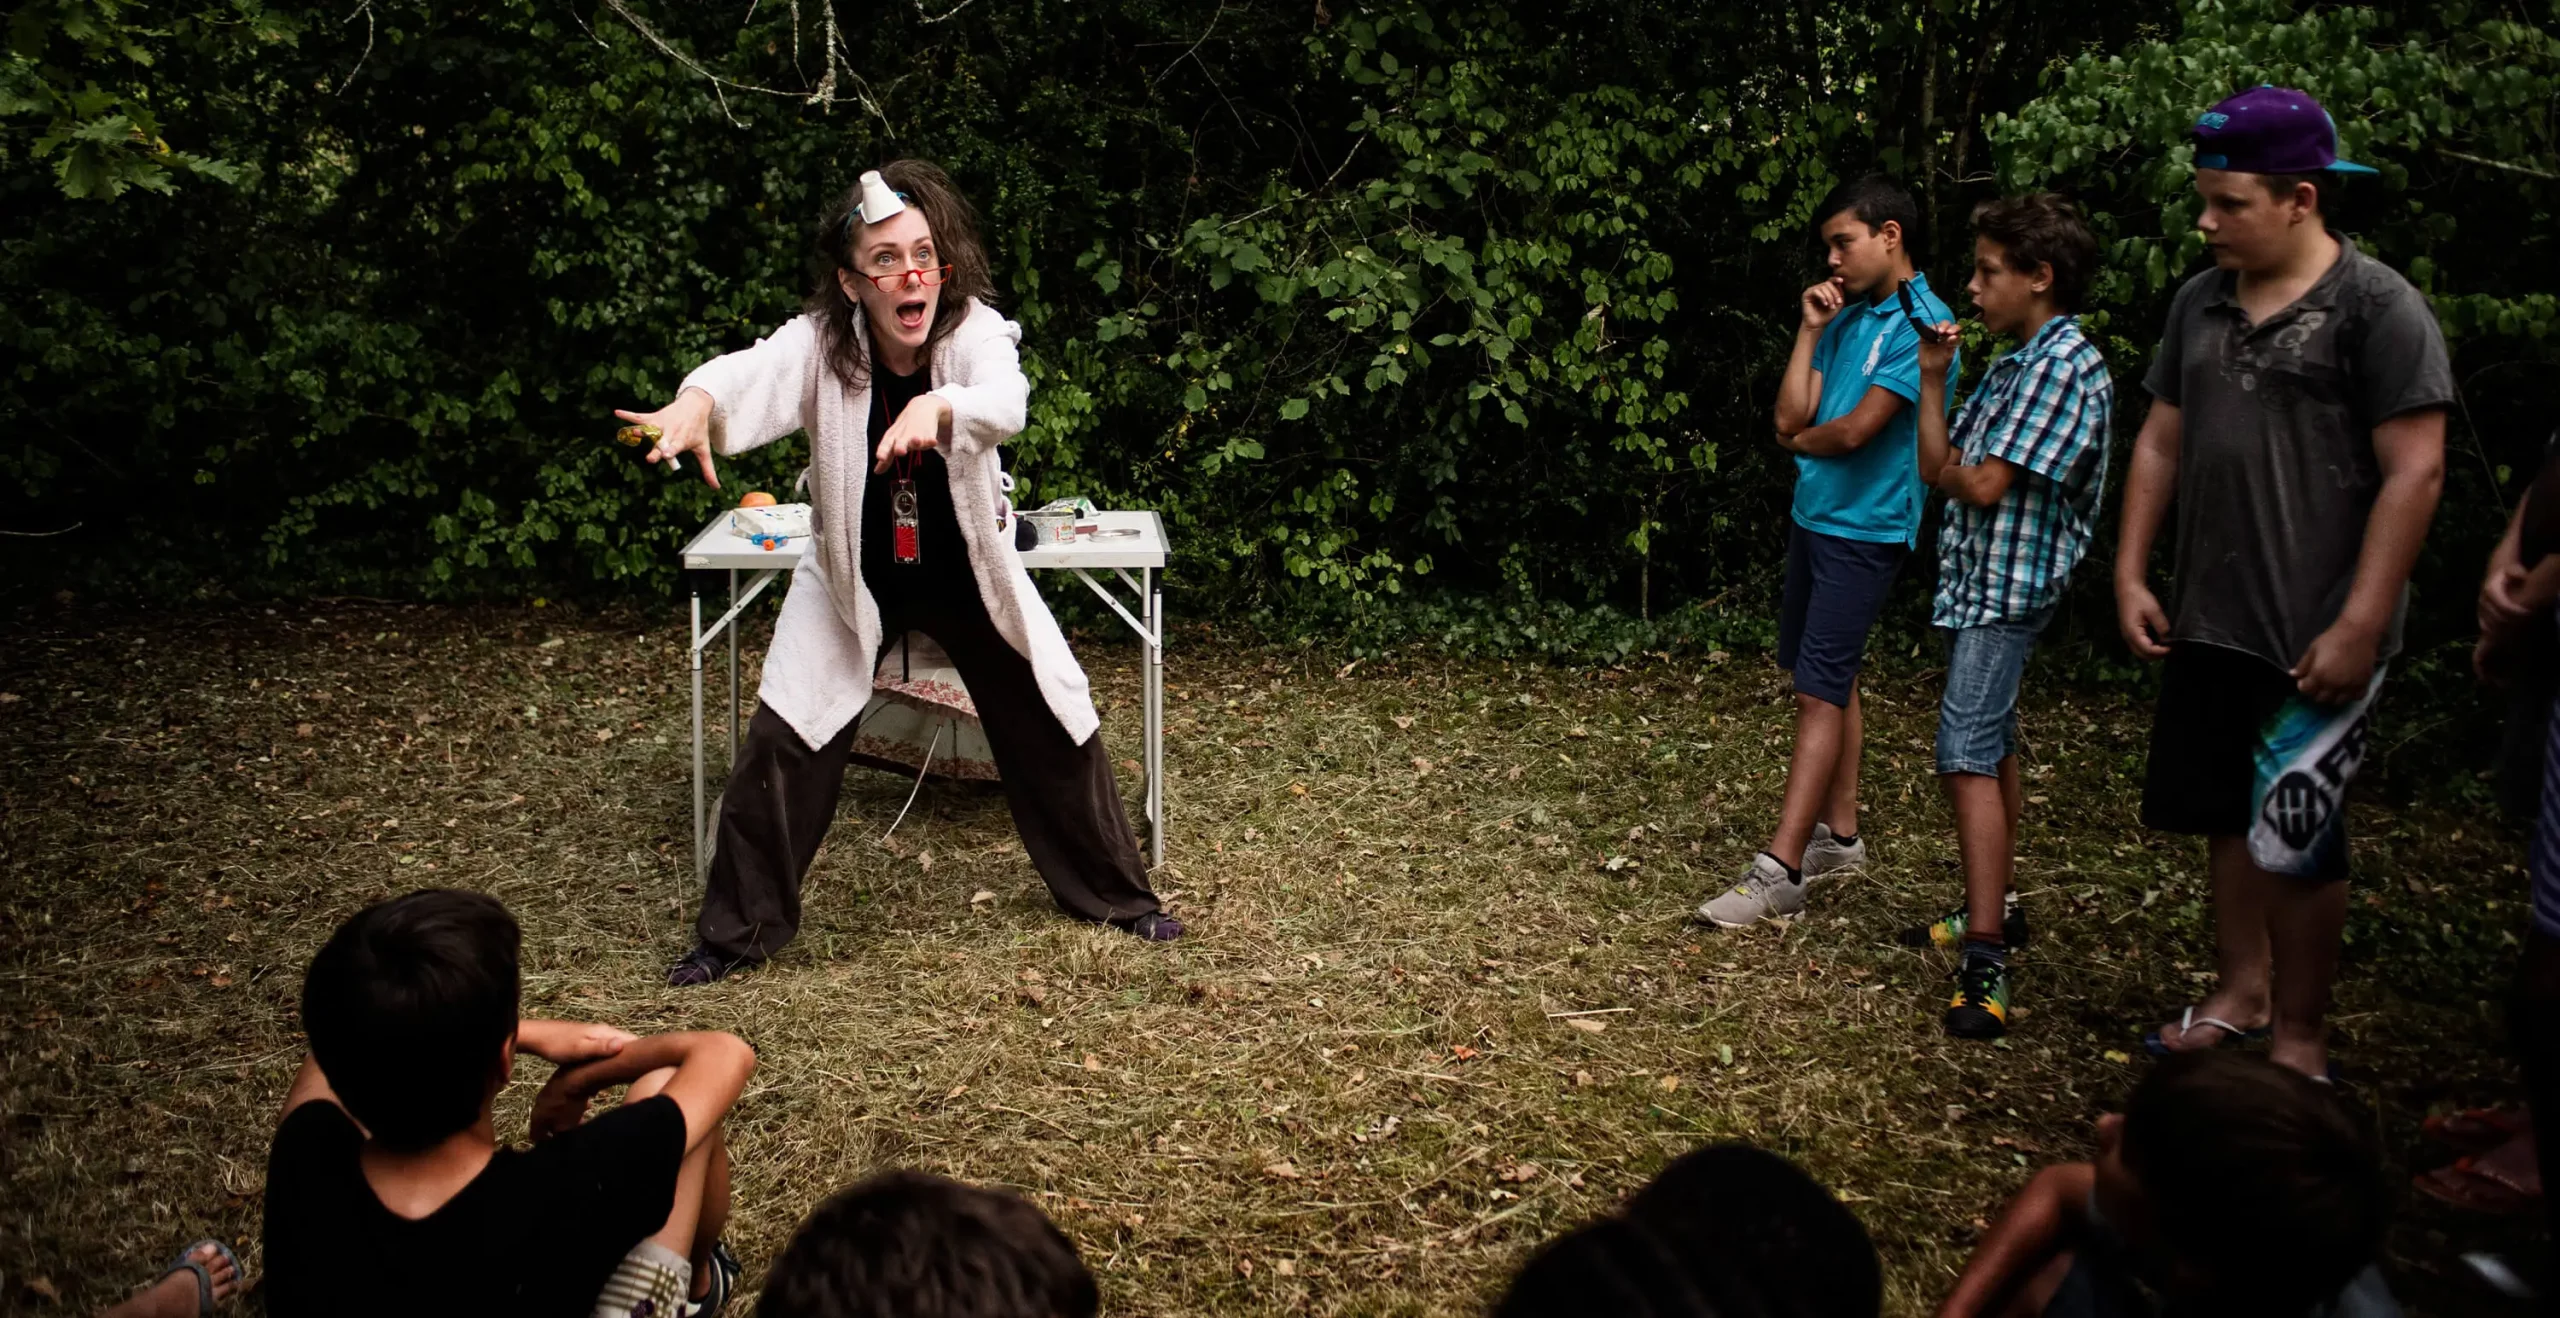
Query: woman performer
(906,380)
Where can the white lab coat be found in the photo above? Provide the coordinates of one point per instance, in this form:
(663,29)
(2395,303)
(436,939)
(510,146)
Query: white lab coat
(817,674)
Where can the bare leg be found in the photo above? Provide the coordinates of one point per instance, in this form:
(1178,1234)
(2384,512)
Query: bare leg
(701,1209)
(1841,810)
(2013,796)
(2304,925)
(2244,898)
(1985,837)
(1821,728)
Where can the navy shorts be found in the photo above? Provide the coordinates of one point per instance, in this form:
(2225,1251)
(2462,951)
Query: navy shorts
(1835,589)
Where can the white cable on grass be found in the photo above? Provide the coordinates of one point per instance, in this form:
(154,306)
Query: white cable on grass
(920,773)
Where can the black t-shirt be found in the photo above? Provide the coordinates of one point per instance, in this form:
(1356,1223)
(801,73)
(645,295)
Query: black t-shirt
(942,557)
(534,1235)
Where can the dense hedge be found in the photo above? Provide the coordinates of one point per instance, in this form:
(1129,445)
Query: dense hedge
(1376,301)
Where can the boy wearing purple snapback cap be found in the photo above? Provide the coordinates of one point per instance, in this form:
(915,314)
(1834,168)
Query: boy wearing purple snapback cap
(2297,417)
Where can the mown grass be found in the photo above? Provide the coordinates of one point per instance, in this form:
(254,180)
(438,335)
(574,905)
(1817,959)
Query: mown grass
(1442,998)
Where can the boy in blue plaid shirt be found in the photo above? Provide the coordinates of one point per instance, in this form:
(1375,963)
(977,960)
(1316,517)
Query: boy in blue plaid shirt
(2022,469)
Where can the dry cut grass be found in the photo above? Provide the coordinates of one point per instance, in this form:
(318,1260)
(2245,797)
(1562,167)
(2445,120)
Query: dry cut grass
(1443,998)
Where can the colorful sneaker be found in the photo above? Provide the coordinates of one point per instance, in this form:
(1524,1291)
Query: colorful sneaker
(1824,855)
(1948,932)
(1765,890)
(1980,1008)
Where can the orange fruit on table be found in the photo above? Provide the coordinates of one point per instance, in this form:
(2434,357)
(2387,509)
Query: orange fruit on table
(756,499)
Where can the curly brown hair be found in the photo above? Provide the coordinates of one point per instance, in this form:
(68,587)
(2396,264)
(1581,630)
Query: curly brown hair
(955,236)
(2043,228)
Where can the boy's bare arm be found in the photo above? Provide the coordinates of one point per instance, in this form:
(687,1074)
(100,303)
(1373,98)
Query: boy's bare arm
(569,1042)
(2410,451)
(2030,1230)
(712,1069)
(1980,484)
(2149,480)
(1800,392)
(1847,434)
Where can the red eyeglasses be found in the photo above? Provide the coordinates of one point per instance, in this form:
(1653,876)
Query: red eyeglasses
(926,278)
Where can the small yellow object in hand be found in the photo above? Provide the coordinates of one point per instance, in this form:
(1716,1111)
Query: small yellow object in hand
(635,436)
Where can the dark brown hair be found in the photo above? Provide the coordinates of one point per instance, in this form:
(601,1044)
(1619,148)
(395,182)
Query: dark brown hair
(2258,1180)
(2043,228)
(954,223)
(407,1006)
(905,1243)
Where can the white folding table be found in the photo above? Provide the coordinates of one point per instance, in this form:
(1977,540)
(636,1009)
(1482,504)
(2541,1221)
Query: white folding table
(718,548)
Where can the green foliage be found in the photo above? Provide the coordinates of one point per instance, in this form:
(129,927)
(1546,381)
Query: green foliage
(1416,322)
(87,70)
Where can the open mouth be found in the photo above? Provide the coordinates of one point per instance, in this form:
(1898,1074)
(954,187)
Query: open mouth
(911,313)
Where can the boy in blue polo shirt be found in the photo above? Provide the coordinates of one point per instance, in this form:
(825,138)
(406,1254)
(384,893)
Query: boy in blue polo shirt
(1846,412)
(2023,470)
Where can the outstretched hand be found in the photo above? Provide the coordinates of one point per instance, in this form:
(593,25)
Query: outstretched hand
(685,427)
(917,427)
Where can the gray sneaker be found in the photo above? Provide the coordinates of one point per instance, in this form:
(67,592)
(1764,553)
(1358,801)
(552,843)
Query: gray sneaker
(1824,854)
(1765,891)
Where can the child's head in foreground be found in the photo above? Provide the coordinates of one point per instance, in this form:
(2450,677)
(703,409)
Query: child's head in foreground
(2244,1181)
(1728,1231)
(411,1011)
(910,1244)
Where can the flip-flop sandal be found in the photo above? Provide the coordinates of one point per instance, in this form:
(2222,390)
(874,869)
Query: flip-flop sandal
(186,1262)
(2479,1129)
(2464,1185)
(2153,1044)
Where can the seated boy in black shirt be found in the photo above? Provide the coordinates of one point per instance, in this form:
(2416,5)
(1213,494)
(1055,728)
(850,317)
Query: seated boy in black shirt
(2230,1185)
(387,1190)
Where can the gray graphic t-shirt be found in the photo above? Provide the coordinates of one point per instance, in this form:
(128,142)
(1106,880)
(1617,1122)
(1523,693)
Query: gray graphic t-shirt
(2276,470)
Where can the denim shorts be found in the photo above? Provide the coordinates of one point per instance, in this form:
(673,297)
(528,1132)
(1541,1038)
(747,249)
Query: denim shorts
(1978,715)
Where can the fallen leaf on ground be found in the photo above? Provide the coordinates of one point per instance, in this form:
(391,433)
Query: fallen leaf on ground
(1281,1171)
(1404,720)
(1670,1083)
(979,898)
(1518,1172)
(1092,1063)
(1588,1025)
(924,859)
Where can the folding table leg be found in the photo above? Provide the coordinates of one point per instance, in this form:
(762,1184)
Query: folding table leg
(733,666)
(1154,707)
